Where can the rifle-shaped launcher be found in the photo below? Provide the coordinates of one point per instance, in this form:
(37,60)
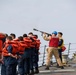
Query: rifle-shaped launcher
(41,32)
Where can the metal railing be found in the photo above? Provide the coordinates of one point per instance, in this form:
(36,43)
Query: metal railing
(70,49)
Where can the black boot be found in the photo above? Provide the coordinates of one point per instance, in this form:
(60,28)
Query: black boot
(31,72)
(36,71)
(62,67)
(47,68)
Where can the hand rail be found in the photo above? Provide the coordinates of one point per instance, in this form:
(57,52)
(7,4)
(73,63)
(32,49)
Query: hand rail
(70,49)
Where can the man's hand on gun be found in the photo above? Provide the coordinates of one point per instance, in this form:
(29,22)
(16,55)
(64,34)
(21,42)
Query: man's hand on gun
(43,33)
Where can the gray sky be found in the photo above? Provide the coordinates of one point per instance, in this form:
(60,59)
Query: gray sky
(21,16)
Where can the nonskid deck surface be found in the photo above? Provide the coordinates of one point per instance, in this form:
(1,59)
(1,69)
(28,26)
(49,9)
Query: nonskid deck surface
(68,70)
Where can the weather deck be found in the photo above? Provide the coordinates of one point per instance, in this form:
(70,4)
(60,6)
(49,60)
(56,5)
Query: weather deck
(68,70)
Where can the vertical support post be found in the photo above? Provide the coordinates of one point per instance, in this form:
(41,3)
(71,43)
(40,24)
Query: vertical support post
(69,48)
(44,55)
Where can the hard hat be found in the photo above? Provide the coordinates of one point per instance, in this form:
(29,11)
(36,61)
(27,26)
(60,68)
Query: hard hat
(54,32)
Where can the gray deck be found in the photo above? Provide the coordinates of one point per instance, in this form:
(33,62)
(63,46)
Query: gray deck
(68,70)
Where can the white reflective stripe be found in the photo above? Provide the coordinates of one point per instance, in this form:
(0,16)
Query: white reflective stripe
(65,70)
(45,71)
(62,70)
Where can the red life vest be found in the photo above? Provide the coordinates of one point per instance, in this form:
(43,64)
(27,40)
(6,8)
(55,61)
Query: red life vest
(1,36)
(38,44)
(33,43)
(1,45)
(28,42)
(54,42)
(14,47)
(22,47)
(1,42)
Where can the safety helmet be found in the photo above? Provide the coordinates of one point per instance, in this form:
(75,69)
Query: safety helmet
(54,32)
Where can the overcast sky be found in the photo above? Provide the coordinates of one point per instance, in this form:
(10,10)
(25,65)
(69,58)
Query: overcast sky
(21,16)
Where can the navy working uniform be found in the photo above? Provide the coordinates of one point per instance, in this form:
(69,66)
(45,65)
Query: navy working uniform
(10,61)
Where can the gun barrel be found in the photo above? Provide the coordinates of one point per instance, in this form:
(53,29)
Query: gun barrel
(37,30)
(41,31)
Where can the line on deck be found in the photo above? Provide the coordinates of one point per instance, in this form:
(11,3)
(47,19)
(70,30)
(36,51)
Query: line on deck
(59,71)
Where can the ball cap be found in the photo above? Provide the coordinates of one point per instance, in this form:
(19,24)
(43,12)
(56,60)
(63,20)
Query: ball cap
(54,32)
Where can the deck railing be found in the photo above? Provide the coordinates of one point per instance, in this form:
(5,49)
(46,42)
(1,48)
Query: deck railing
(70,49)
